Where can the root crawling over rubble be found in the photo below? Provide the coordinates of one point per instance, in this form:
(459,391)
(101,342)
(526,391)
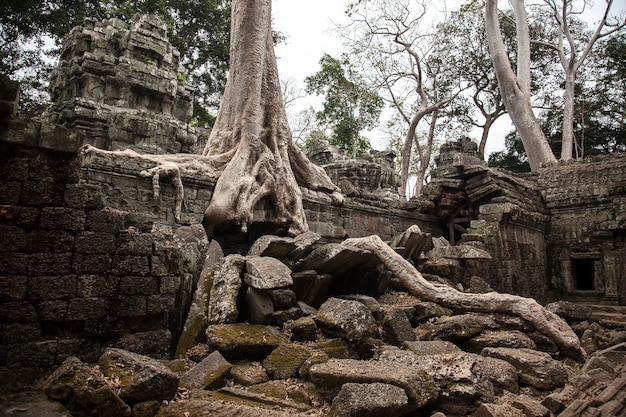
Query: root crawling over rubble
(543,320)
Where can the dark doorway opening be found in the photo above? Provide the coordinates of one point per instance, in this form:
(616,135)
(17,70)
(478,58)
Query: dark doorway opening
(583,271)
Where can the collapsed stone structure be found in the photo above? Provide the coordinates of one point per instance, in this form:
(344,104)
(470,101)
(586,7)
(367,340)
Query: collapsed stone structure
(94,267)
(122,84)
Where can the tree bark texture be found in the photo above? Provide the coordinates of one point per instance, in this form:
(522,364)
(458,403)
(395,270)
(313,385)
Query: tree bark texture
(251,139)
(513,90)
(530,310)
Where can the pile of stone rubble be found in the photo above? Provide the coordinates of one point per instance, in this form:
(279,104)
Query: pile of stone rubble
(296,327)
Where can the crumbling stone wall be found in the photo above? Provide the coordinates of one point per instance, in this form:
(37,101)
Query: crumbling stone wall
(587,234)
(121,83)
(77,276)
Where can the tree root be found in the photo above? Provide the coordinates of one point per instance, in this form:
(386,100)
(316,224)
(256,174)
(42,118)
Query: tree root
(167,170)
(529,309)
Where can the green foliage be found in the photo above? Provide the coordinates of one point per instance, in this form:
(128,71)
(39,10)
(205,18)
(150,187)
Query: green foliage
(349,106)
(199,29)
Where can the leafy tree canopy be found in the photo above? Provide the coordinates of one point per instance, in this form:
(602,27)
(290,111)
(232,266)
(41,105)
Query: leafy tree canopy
(199,29)
(349,106)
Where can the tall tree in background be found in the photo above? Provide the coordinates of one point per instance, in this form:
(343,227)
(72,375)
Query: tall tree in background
(515,87)
(391,41)
(251,143)
(199,29)
(349,106)
(573,47)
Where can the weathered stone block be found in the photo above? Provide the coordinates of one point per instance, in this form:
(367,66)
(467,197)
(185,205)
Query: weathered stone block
(54,241)
(83,391)
(95,242)
(91,263)
(16,264)
(87,308)
(139,285)
(55,310)
(11,192)
(258,305)
(222,306)
(12,239)
(14,333)
(286,360)
(131,265)
(398,328)
(241,340)
(42,194)
(266,273)
(161,303)
(38,354)
(84,197)
(141,377)
(347,319)
(49,264)
(209,374)
(62,218)
(106,220)
(369,400)
(134,244)
(13,287)
(18,311)
(97,286)
(52,287)
(134,305)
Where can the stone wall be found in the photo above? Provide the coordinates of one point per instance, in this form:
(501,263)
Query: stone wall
(77,276)
(587,234)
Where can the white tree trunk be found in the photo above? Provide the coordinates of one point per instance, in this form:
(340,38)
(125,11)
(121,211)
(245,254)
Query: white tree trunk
(512,88)
(251,136)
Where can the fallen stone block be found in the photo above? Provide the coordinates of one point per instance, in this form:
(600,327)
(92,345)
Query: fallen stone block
(303,329)
(286,360)
(140,378)
(497,410)
(244,341)
(530,407)
(569,311)
(458,328)
(266,273)
(84,391)
(369,400)
(336,259)
(248,373)
(259,306)
(347,319)
(220,408)
(510,339)
(398,328)
(411,243)
(272,246)
(420,387)
(209,374)
(225,290)
(431,347)
(537,369)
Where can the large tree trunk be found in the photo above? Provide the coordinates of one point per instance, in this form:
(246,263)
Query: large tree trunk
(251,136)
(514,90)
(543,320)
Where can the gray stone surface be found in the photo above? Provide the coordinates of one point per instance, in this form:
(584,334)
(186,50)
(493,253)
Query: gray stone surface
(225,290)
(418,385)
(266,273)
(209,374)
(369,400)
(570,311)
(83,391)
(244,341)
(259,306)
(347,319)
(502,338)
(537,369)
(140,378)
(398,328)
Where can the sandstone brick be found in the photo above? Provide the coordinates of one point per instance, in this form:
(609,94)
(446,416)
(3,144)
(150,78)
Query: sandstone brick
(106,220)
(13,287)
(134,244)
(52,287)
(139,285)
(55,310)
(97,286)
(38,354)
(91,264)
(10,192)
(18,311)
(42,193)
(169,284)
(54,241)
(95,242)
(16,264)
(62,218)
(131,265)
(12,239)
(87,308)
(50,264)
(161,303)
(131,305)
(84,196)
(13,333)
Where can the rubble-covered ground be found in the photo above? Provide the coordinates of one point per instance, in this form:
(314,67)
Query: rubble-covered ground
(296,327)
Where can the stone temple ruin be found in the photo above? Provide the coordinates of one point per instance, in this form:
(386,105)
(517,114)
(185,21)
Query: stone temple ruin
(112,306)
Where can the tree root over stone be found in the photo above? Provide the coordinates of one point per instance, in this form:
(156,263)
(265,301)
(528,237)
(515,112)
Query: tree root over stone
(529,309)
